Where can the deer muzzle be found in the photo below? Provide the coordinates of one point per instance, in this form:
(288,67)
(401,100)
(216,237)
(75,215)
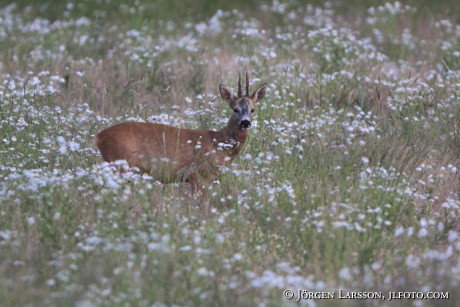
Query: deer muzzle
(245,124)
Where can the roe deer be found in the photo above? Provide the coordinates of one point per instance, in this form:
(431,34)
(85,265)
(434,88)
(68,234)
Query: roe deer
(175,154)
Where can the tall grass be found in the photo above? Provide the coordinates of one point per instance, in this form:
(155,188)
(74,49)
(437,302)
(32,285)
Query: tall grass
(349,179)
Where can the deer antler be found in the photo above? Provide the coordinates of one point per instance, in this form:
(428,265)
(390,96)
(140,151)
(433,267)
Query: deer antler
(239,85)
(247,82)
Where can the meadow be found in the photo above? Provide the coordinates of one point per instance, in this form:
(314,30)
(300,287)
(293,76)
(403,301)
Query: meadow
(349,180)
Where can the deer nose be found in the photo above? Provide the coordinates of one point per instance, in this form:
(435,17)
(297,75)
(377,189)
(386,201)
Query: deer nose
(245,124)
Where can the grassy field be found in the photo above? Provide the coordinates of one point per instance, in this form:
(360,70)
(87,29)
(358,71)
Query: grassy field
(350,179)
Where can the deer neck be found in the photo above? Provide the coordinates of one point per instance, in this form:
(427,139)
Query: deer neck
(234,131)
(233,135)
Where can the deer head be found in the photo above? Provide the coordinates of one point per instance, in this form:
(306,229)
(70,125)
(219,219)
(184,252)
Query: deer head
(242,105)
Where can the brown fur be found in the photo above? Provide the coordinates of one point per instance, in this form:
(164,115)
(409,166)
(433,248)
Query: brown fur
(175,154)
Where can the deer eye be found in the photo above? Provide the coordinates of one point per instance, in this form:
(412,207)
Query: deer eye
(252,110)
(236,110)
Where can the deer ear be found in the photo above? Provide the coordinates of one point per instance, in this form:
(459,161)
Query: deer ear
(226,94)
(259,93)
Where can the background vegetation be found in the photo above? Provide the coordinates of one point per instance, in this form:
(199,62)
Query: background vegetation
(349,180)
